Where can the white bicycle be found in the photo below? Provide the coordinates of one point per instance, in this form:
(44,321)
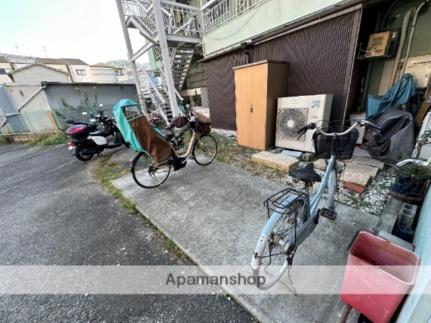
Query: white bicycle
(292,214)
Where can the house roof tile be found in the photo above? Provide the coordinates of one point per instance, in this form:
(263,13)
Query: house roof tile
(73,61)
(37,64)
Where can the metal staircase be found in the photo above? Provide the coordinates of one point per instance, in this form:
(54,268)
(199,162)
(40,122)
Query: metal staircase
(181,58)
(156,94)
(172,30)
(181,61)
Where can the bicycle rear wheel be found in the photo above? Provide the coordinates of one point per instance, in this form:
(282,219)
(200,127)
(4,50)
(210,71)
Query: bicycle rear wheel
(147,173)
(277,242)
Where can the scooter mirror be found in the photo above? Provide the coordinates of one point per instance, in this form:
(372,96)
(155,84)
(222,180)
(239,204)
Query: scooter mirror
(84,113)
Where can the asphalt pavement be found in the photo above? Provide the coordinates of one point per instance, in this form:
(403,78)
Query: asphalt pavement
(52,212)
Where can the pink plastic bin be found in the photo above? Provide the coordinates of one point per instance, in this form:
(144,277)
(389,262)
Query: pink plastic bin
(371,288)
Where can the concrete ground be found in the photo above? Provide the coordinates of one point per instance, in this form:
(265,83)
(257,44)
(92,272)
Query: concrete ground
(53,213)
(215,214)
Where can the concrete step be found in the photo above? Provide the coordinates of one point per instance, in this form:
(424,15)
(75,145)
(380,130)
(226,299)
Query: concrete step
(276,161)
(357,173)
(357,177)
(366,161)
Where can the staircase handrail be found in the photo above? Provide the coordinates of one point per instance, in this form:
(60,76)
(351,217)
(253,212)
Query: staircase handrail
(152,85)
(144,12)
(162,73)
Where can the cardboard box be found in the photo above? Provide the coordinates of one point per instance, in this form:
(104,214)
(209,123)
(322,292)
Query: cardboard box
(378,44)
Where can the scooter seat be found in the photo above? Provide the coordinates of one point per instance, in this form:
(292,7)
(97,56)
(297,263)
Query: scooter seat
(97,133)
(306,174)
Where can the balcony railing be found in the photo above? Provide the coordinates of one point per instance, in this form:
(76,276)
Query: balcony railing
(179,19)
(216,12)
(141,9)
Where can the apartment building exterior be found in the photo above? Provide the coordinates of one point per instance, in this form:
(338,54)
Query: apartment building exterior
(77,70)
(317,38)
(104,73)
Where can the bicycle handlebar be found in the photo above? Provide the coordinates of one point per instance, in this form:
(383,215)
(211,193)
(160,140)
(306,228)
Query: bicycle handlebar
(363,123)
(373,126)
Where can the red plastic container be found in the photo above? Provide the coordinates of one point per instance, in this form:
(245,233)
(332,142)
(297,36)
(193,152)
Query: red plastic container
(378,276)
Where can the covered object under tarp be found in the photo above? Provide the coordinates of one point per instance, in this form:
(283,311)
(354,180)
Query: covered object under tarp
(396,140)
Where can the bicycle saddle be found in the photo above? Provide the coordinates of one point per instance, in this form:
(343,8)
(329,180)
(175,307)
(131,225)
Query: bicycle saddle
(306,174)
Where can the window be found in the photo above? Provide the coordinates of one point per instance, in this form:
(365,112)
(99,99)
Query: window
(81,72)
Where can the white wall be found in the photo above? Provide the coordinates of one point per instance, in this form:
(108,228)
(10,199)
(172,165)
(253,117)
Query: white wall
(37,74)
(270,15)
(103,75)
(86,77)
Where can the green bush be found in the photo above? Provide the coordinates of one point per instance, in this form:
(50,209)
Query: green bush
(415,171)
(4,140)
(49,139)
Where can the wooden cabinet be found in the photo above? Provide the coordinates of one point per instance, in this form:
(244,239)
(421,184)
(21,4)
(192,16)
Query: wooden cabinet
(257,88)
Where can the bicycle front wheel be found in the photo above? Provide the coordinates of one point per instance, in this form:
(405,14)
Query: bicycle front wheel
(147,173)
(278,239)
(205,150)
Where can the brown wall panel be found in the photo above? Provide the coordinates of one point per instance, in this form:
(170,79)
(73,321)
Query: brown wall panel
(320,61)
(221,89)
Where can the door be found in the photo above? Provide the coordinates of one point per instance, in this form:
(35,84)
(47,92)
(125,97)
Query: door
(251,99)
(258,108)
(242,96)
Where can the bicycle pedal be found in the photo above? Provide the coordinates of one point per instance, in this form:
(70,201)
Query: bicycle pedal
(327,213)
(179,164)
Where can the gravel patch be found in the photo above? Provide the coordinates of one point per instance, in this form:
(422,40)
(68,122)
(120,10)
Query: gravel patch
(372,201)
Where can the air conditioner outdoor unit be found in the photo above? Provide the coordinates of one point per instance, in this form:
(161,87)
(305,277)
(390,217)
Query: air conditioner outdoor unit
(294,113)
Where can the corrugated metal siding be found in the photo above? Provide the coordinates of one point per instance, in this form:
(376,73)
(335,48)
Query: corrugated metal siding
(15,122)
(319,58)
(221,89)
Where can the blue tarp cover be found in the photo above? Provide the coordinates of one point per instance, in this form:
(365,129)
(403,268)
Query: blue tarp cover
(124,126)
(399,93)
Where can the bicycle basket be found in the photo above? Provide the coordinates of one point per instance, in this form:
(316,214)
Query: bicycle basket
(286,201)
(180,122)
(341,146)
(203,128)
(203,124)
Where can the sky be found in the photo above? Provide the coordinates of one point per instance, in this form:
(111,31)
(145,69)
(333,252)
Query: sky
(85,29)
